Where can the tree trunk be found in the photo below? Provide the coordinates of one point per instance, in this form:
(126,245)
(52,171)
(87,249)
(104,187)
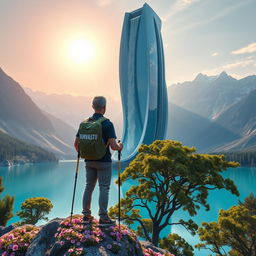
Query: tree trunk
(155,235)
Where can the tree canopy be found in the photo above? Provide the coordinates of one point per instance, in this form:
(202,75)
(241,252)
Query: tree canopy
(34,209)
(176,245)
(6,207)
(169,177)
(234,234)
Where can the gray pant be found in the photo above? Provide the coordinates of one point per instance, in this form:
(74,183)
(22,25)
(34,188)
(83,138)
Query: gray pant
(100,171)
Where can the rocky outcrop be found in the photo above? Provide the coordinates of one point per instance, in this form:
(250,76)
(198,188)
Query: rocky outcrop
(60,237)
(45,239)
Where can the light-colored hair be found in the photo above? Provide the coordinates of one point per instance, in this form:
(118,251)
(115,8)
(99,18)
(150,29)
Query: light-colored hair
(99,102)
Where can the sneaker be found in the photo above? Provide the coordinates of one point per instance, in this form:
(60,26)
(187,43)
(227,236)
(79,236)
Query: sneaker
(107,221)
(87,219)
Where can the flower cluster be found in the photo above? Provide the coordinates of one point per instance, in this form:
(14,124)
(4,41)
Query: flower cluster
(17,241)
(77,234)
(150,252)
(74,252)
(122,234)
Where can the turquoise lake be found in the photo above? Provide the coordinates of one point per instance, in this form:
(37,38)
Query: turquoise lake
(56,180)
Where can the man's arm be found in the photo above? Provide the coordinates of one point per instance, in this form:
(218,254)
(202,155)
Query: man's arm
(76,144)
(115,145)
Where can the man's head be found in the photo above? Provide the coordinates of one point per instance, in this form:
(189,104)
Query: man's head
(99,104)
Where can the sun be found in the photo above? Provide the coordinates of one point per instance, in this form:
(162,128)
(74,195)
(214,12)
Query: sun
(81,51)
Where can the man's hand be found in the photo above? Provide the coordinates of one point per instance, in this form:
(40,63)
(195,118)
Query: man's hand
(120,146)
(76,144)
(115,145)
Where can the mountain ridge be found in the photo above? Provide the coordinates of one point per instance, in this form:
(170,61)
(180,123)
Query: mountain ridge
(21,118)
(209,96)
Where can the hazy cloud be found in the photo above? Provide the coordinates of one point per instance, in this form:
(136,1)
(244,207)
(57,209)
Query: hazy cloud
(182,4)
(220,14)
(242,64)
(178,6)
(229,66)
(104,3)
(247,49)
(214,54)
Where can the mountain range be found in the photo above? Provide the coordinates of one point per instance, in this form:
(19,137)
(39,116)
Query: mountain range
(209,96)
(22,119)
(73,109)
(212,113)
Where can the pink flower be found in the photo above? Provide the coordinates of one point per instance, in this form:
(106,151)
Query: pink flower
(15,247)
(73,241)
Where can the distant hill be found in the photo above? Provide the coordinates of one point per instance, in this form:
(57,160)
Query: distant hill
(21,152)
(68,108)
(21,118)
(73,109)
(240,118)
(209,96)
(194,130)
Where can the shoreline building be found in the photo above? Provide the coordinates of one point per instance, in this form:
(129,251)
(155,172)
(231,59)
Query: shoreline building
(142,81)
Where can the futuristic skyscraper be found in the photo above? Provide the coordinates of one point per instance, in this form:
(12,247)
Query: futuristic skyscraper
(142,81)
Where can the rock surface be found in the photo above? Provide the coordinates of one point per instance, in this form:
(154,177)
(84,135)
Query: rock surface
(148,245)
(4,230)
(45,239)
(61,237)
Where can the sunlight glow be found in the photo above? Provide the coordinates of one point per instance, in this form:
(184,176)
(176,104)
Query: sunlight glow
(81,51)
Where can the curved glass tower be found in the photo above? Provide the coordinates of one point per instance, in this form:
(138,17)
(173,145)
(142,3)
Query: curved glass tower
(142,81)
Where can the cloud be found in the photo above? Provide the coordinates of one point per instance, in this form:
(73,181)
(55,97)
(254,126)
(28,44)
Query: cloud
(214,54)
(182,4)
(178,6)
(242,64)
(251,48)
(218,15)
(250,61)
(103,3)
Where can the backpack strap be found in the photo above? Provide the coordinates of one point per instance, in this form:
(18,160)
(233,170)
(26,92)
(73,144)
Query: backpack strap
(101,120)
(88,119)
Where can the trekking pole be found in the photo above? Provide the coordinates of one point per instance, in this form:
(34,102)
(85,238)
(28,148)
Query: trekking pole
(74,191)
(119,186)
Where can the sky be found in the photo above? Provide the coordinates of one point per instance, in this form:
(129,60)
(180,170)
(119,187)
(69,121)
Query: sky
(199,36)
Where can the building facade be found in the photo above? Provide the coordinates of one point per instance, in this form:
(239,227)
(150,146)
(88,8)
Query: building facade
(142,81)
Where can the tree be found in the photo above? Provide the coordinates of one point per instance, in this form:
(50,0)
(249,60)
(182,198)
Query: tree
(34,209)
(169,177)
(235,231)
(6,207)
(176,245)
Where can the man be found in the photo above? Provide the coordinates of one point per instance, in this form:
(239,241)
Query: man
(99,169)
